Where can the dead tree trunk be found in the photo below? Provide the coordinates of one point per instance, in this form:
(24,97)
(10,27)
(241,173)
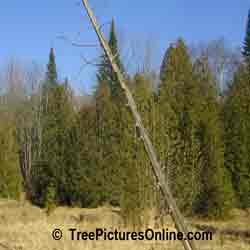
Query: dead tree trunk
(175,213)
(25,162)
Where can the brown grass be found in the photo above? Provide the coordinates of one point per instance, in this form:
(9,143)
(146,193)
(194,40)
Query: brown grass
(25,227)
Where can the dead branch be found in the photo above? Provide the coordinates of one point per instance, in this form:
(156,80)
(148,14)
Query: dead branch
(75,44)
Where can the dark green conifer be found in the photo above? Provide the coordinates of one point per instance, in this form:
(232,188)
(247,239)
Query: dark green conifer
(105,72)
(176,137)
(51,75)
(237,139)
(56,115)
(216,194)
(246,45)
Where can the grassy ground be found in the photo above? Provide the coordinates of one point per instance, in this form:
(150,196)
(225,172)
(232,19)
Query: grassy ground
(25,227)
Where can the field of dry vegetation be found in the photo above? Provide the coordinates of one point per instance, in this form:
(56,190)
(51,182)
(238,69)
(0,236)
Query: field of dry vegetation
(25,227)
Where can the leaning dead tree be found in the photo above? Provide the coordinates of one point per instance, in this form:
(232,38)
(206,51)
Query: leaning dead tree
(164,188)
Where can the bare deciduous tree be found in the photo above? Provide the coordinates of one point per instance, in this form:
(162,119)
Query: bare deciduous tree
(223,59)
(22,98)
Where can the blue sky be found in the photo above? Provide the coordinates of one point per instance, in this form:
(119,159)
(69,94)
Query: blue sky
(29,28)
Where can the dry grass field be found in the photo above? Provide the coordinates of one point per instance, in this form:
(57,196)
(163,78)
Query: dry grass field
(25,227)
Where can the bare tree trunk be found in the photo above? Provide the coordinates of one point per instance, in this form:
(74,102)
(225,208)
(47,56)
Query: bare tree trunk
(25,158)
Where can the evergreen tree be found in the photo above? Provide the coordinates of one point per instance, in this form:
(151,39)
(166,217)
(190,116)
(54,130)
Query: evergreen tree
(57,111)
(216,193)
(140,180)
(246,45)
(10,175)
(83,168)
(237,140)
(105,72)
(236,116)
(109,106)
(51,75)
(178,147)
(108,150)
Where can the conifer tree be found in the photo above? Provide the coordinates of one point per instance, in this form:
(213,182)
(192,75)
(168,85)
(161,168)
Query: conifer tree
(107,145)
(83,169)
(137,191)
(51,75)
(10,175)
(105,72)
(216,192)
(177,128)
(237,140)
(246,45)
(57,111)
(109,106)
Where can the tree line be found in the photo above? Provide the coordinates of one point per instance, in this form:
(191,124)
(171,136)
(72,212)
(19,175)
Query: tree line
(62,153)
